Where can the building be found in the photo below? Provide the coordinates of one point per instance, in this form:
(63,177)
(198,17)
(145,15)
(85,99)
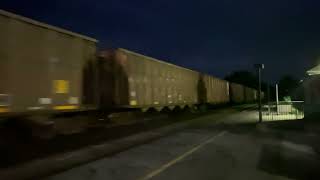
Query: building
(312,90)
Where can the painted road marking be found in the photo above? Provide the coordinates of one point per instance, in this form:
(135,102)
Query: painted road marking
(181,157)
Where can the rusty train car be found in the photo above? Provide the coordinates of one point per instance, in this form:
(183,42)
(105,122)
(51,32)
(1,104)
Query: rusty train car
(46,69)
(242,94)
(250,94)
(41,66)
(237,92)
(214,90)
(132,80)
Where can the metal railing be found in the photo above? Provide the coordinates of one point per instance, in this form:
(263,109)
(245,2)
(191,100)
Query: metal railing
(291,110)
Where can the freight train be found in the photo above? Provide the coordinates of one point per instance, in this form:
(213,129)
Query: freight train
(46,69)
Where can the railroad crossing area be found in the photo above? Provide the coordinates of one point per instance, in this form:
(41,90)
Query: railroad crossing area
(232,147)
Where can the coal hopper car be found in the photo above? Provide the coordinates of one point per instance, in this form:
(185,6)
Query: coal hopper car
(131,80)
(214,91)
(237,93)
(48,69)
(41,66)
(250,95)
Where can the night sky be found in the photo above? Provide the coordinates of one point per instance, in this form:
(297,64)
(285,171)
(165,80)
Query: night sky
(216,36)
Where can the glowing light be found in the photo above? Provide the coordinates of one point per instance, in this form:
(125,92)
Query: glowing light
(65,107)
(133,102)
(282,117)
(314,71)
(4,110)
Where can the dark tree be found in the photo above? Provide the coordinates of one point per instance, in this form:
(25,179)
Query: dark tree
(250,79)
(288,86)
(246,78)
(243,77)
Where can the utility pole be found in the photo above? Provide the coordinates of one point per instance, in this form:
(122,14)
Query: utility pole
(259,69)
(277,97)
(268,99)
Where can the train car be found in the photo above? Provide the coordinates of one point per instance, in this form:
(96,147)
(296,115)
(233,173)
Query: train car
(237,94)
(131,80)
(262,95)
(250,94)
(215,90)
(41,66)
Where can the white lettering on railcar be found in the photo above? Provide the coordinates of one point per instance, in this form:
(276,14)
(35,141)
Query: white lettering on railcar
(45,100)
(35,108)
(53,60)
(133,93)
(73,100)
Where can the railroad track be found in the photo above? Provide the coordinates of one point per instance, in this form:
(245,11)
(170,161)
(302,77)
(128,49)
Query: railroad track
(18,149)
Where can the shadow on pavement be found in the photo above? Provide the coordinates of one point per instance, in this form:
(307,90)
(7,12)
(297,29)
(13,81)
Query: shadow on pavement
(276,159)
(294,151)
(297,131)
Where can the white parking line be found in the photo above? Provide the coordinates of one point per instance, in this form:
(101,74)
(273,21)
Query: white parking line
(181,157)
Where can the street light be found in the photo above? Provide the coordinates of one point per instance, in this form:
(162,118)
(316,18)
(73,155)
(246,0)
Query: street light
(259,67)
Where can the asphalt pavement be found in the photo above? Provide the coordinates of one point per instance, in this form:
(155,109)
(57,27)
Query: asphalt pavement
(214,147)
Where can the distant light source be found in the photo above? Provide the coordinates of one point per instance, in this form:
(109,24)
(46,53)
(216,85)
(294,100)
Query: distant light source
(259,66)
(311,73)
(314,71)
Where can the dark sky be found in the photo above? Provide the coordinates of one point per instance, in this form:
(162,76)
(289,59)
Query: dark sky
(215,36)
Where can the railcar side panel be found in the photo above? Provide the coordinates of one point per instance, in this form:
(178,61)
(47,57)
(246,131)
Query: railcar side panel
(216,90)
(41,68)
(250,95)
(237,93)
(142,82)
